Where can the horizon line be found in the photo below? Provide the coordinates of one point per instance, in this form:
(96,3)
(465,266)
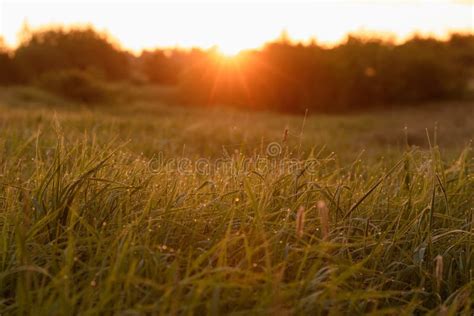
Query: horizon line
(386,36)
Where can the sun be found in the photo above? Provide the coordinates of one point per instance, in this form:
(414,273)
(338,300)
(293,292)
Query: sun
(229,50)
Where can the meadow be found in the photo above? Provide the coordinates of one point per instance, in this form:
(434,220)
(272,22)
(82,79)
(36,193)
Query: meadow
(143,208)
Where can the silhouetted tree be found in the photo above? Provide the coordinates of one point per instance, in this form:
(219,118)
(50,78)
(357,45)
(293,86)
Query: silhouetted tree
(8,71)
(356,74)
(81,49)
(361,72)
(161,67)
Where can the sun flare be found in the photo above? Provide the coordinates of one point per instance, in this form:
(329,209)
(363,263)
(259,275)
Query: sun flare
(229,51)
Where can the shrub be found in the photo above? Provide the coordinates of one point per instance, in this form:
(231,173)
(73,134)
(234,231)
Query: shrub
(75,85)
(8,71)
(58,49)
(356,74)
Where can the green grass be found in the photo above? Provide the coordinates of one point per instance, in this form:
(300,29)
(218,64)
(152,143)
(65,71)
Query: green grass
(102,213)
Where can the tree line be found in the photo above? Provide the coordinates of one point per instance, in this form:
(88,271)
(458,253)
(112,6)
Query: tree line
(357,73)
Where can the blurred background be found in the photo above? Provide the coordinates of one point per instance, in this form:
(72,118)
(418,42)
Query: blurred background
(291,57)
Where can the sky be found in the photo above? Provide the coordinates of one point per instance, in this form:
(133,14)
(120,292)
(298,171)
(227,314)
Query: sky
(233,26)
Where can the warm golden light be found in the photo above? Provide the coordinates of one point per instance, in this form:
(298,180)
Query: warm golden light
(230,51)
(234,26)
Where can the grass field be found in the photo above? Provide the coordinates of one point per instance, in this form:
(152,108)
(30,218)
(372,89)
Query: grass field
(143,208)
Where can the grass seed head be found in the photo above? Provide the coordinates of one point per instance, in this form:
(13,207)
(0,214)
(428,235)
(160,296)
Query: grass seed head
(324,219)
(300,222)
(439,267)
(285,135)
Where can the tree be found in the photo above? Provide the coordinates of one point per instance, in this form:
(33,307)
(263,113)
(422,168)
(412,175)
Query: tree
(8,73)
(78,48)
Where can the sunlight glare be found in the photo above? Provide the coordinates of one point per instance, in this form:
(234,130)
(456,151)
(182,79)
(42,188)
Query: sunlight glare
(229,51)
(238,26)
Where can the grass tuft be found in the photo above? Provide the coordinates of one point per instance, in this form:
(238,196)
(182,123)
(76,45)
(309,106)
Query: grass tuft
(88,225)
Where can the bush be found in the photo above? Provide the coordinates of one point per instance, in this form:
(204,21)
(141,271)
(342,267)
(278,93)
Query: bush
(357,74)
(58,49)
(76,85)
(159,68)
(8,71)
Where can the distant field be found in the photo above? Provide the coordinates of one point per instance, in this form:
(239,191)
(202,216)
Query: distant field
(150,127)
(144,208)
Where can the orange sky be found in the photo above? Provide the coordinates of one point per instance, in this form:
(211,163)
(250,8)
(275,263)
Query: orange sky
(236,25)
